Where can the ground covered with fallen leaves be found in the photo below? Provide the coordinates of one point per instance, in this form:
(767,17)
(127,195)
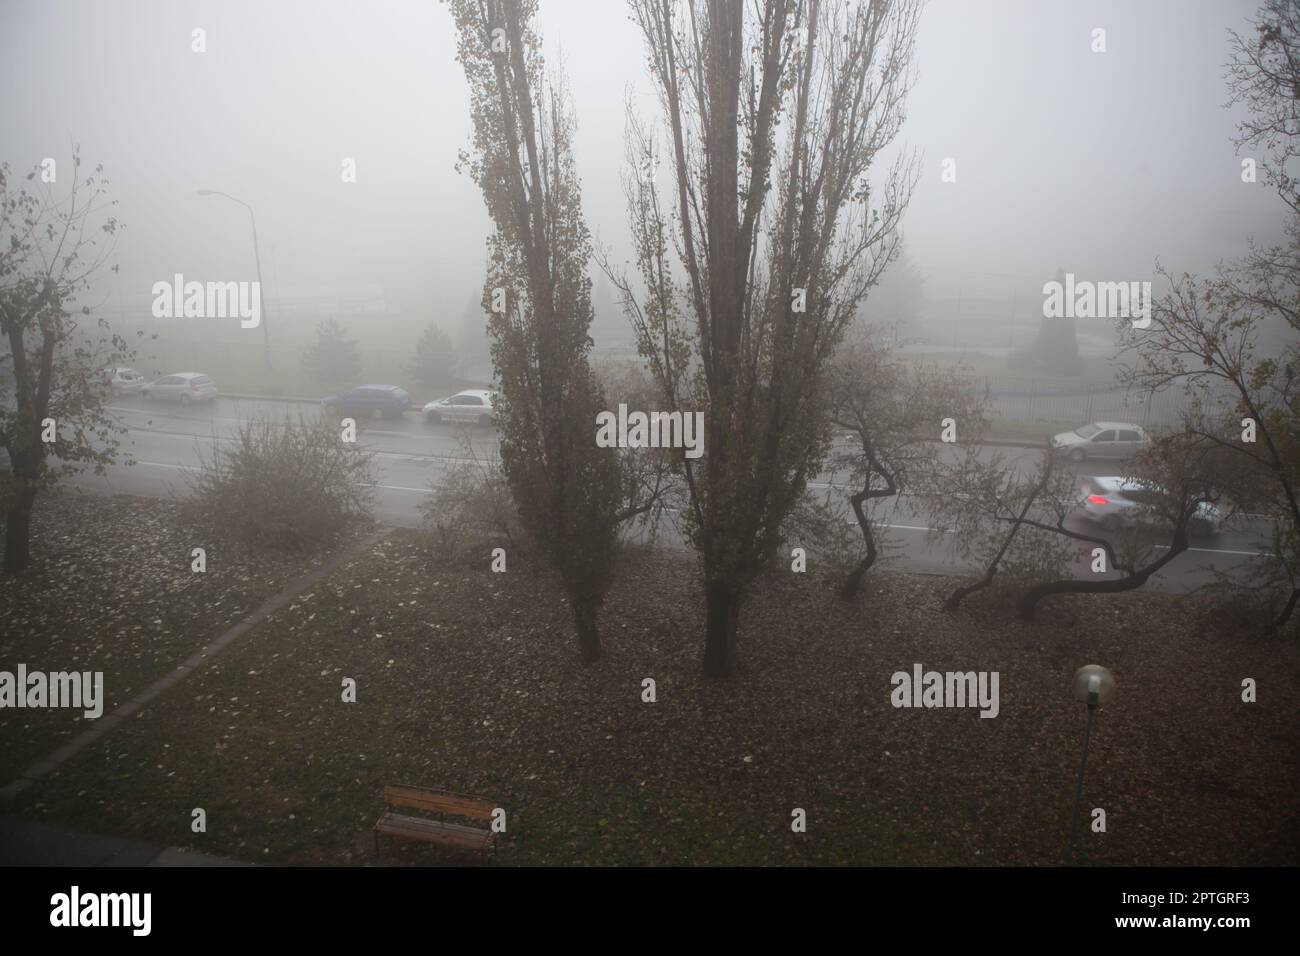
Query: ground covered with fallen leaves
(112,588)
(470,681)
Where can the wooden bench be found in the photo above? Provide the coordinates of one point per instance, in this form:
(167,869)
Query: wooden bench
(443,803)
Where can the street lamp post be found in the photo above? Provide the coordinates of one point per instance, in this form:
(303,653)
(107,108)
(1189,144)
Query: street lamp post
(257,256)
(1094,685)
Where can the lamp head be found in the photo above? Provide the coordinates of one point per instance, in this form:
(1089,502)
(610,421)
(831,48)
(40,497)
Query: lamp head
(1094,684)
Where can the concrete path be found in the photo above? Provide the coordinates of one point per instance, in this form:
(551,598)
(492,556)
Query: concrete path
(24,843)
(108,722)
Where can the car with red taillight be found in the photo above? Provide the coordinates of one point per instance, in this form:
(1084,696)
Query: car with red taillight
(1115,503)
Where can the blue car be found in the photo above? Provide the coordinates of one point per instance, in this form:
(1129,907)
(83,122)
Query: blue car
(377,401)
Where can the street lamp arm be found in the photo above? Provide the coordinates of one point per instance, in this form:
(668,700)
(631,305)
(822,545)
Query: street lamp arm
(257,257)
(218,192)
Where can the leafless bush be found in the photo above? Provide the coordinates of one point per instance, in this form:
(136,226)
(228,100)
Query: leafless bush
(471,509)
(282,483)
(1247,597)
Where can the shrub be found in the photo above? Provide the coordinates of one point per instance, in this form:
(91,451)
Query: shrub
(471,509)
(283,484)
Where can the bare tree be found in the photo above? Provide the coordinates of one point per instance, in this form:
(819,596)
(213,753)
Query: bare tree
(893,410)
(1173,485)
(1264,75)
(759,250)
(1230,342)
(652,477)
(538,297)
(1004,518)
(51,247)
(1242,417)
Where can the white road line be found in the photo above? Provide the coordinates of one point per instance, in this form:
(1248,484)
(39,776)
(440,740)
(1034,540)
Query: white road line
(900,527)
(398,455)
(912,527)
(1165,547)
(1161,547)
(163,464)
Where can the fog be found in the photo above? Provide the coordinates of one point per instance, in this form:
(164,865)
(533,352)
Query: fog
(1095,163)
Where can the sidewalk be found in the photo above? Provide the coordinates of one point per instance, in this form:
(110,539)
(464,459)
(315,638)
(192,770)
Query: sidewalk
(200,658)
(23,843)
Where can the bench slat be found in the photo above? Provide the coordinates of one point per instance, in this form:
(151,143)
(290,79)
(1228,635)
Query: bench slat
(439,801)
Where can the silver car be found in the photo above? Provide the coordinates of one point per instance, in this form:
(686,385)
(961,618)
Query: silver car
(473,405)
(124,381)
(1115,503)
(183,387)
(1102,440)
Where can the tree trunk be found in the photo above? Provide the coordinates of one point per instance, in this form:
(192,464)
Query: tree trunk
(1130,582)
(853,583)
(1280,621)
(722,615)
(18,537)
(584,621)
(954,599)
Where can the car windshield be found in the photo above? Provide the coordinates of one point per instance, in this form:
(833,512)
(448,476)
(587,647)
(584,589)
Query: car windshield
(1087,431)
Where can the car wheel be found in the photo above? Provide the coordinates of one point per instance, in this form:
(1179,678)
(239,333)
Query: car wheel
(485,421)
(433,418)
(1200,528)
(1111,523)
(185,399)
(146,395)
(1077,455)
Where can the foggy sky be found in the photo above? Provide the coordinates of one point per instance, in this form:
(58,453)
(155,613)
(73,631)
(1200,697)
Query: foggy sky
(1095,163)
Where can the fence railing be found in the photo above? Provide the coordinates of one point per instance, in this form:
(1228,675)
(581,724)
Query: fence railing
(1034,400)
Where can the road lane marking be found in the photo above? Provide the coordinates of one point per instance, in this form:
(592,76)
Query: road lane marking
(1165,547)
(1161,547)
(898,527)
(163,464)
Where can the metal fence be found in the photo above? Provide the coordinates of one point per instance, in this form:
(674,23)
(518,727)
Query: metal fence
(1034,400)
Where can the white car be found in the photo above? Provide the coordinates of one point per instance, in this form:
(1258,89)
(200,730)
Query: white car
(1115,503)
(1102,440)
(474,406)
(183,387)
(124,381)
